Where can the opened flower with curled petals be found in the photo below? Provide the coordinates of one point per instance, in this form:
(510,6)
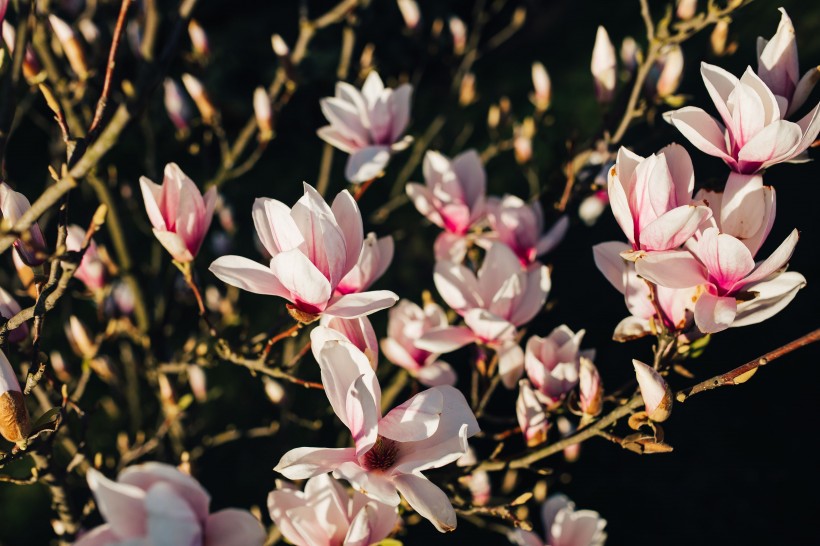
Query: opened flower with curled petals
(313,247)
(754,134)
(154,503)
(324,514)
(92,270)
(179,213)
(367,124)
(390,452)
(520,226)
(553,363)
(13,205)
(564,525)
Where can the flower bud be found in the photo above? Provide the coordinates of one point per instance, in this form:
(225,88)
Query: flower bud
(603,67)
(531,415)
(177,106)
(592,207)
(263,114)
(14,420)
(686,9)
(459,31)
(522,140)
(719,36)
(70,43)
(59,366)
(198,382)
(8,308)
(273,389)
(31,66)
(410,13)
(80,339)
(201,99)
(25,274)
(466,95)
(657,396)
(630,51)
(542,87)
(199,39)
(493,116)
(671,72)
(31,244)
(280,47)
(591,390)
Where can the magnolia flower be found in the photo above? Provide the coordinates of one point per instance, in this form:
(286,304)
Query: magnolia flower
(745,209)
(779,69)
(532,418)
(180,214)
(14,421)
(373,262)
(604,66)
(564,526)
(367,124)
(542,87)
(428,431)
(154,503)
(70,43)
(651,198)
(325,515)
(755,135)
(629,53)
(12,206)
(8,308)
(670,71)
(410,13)
(736,291)
(553,364)
(406,323)
(176,105)
(358,331)
(92,270)
(263,113)
(313,247)
(452,197)
(520,226)
(676,305)
(656,394)
(494,303)
(592,207)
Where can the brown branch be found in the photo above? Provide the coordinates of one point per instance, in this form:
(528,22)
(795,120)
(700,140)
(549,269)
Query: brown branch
(109,70)
(742,373)
(256,365)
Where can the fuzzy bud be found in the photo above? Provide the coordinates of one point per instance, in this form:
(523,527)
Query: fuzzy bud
(686,9)
(70,43)
(201,99)
(657,396)
(410,13)
(199,39)
(263,114)
(459,31)
(542,86)
(14,421)
(719,37)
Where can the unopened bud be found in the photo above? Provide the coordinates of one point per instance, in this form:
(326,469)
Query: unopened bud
(280,47)
(14,421)
(467,92)
(603,67)
(201,99)
(542,87)
(89,30)
(198,382)
(493,116)
(273,389)
(630,53)
(532,418)
(72,48)
(686,9)
(657,396)
(263,114)
(592,207)
(522,140)
(31,66)
(719,36)
(410,13)
(176,105)
(80,339)
(671,72)
(591,390)
(59,366)
(459,32)
(199,39)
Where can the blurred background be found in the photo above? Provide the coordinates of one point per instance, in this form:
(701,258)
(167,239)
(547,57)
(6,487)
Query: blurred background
(742,463)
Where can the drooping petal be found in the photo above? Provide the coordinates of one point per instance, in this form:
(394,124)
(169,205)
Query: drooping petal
(510,363)
(714,314)
(770,297)
(608,260)
(701,129)
(306,462)
(367,163)
(776,260)
(121,505)
(446,340)
(428,500)
(248,275)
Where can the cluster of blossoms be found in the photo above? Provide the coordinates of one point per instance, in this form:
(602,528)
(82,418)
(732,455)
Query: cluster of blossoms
(687,269)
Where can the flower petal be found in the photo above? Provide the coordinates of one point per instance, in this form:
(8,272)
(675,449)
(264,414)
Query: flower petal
(301,278)
(248,275)
(121,505)
(367,163)
(232,527)
(671,268)
(428,500)
(713,313)
(771,296)
(363,303)
(146,475)
(306,462)
(171,520)
(445,340)
(702,130)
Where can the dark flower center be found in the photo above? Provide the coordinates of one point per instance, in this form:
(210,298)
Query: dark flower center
(382,455)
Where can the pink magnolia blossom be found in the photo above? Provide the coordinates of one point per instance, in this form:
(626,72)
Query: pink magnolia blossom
(651,198)
(590,388)
(373,262)
(493,303)
(358,331)
(736,290)
(155,503)
(324,514)
(12,206)
(565,526)
(520,226)
(745,209)
(452,197)
(406,323)
(778,67)
(92,270)
(428,431)
(8,308)
(180,214)
(755,135)
(604,66)
(177,105)
(676,304)
(367,124)
(531,414)
(410,12)
(542,87)
(656,394)
(313,247)
(553,364)
(669,71)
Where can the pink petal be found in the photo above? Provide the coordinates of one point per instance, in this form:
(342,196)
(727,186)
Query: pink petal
(457,285)
(727,259)
(281,504)
(748,114)
(672,269)
(777,61)
(146,475)
(301,278)
(275,227)
(469,169)
(803,90)
(103,535)
(720,84)
(416,419)
(349,219)
(367,163)
(654,389)
(777,142)
(372,89)
(535,295)
(553,237)
(325,244)
(436,373)
(510,363)
(713,313)
(338,139)
(360,304)
(375,485)
(531,415)
(174,244)
(398,355)
(771,296)
(428,500)
(121,505)
(608,260)
(487,326)
(674,227)
(619,202)
(362,414)
(680,168)
(451,247)
(743,205)
(306,462)
(346,119)
(810,126)
(171,520)
(775,261)
(702,130)
(422,197)
(499,265)
(232,527)
(631,328)
(152,197)
(248,275)
(400,110)
(446,340)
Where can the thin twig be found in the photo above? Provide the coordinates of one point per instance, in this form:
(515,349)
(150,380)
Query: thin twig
(109,69)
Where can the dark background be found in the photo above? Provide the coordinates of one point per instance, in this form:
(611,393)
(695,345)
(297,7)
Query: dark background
(744,469)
